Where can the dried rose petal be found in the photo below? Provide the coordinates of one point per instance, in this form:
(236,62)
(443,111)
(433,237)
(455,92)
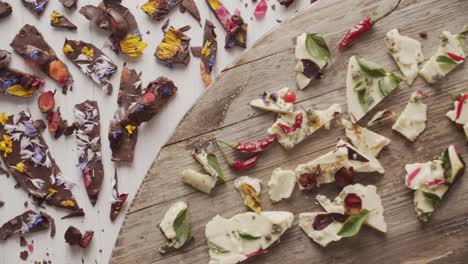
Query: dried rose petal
(353,204)
(86,239)
(344,177)
(261,9)
(309,180)
(46,102)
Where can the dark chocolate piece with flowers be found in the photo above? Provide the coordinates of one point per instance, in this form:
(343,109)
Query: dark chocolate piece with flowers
(158,9)
(234,25)
(73,236)
(192,8)
(119,198)
(111,15)
(5,9)
(87,131)
(27,222)
(30,44)
(69,3)
(29,160)
(174,47)
(208,52)
(37,7)
(15,82)
(92,62)
(60,21)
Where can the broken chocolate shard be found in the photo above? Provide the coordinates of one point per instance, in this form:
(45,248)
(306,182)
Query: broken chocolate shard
(60,21)
(23,241)
(86,239)
(208,52)
(77,213)
(51,221)
(92,62)
(5,9)
(88,138)
(158,9)
(69,3)
(30,44)
(37,7)
(28,222)
(234,25)
(119,198)
(192,8)
(165,25)
(24,255)
(73,236)
(196,51)
(29,160)
(174,49)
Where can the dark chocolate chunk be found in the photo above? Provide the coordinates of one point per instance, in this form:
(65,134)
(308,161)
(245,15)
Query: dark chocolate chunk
(60,21)
(30,44)
(69,3)
(2,203)
(192,8)
(24,255)
(92,62)
(86,239)
(208,52)
(196,51)
(28,222)
(88,138)
(77,213)
(28,158)
(73,236)
(174,48)
(37,7)
(5,9)
(119,198)
(23,241)
(286,3)
(158,9)
(234,25)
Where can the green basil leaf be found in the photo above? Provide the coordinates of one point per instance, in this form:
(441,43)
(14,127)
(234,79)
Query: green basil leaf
(383,91)
(216,248)
(363,94)
(353,224)
(447,165)
(248,236)
(396,77)
(213,162)
(433,199)
(317,47)
(371,69)
(181,226)
(446,60)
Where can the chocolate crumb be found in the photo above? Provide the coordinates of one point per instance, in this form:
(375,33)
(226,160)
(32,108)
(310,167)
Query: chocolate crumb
(148,32)
(273,7)
(279,21)
(26,204)
(2,203)
(246,5)
(73,236)
(423,35)
(23,241)
(24,255)
(17,186)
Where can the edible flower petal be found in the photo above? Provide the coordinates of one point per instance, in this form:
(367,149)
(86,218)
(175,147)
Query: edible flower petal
(87,52)
(20,167)
(150,7)
(133,46)
(55,17)
(3,118)
(67,49)
(6,145)
(251,197)
(68,203)
(130,129)
(19,90)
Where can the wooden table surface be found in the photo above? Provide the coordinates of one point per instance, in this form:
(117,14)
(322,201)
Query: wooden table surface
(223,112)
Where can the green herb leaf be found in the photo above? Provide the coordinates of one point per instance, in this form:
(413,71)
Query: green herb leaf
(371,69)
(181,226)
(433,198)
(383,91)
(216,248)
(248,236)
(364,97)
(396,77)
(447,165)
(353,224)
(446,60)
(317,47)
(213,162)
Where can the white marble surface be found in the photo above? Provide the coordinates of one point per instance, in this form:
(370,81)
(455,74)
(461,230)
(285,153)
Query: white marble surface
(152,134)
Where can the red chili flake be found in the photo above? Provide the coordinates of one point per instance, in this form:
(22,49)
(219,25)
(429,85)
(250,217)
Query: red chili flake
(309,180)
(321,221)
(255,253)
(244,164)
(455,57)
(294,127)
(46,101)
(461,101)
(420,92)
(365,25)
(353,204)
(457,151)
(412,175)
(434,183)
(251,146)
(86,239)
(344,177)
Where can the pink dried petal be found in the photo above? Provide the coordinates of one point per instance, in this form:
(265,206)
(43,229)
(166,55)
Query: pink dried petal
(412,176)
(261,9)
(30,248)
(224,17)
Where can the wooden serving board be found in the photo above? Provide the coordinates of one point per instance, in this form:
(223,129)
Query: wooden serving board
(223,112)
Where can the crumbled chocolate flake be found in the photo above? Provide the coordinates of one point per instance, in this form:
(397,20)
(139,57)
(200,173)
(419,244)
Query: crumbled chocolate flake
(60,21)
(37,7)
(192,8)
(69,3)
(273,7)
(77,213)
(5,9)
(2,203)
(30,219)
(286,3)
(423,35)
(26,204)
(73,236)
(24,255)
(86,239)
(23,241)
(279,20)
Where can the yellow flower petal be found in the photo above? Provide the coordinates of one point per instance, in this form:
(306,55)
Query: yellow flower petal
(20,167)
(3,118)
(206,49)
(214,4)
(87,52)
(133,46)
(251,197)
(51,193)
(67,49)
(150,7)
(55,17)
(69,203)
(130,129)
(6,145)
(19,90)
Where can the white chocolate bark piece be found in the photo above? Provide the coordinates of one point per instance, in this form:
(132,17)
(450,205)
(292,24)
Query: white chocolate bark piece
(244,235)
(274,102)
(167,223)
(381,116)
(197,180)
(367,86)
(365,140)
(441,63)
(462,118)
(370,201)
(303,56)
(322,237)
(424,174)
(412,121)
(355,156)
(406,52)
(281,184)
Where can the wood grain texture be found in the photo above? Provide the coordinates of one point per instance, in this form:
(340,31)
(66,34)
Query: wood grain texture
(223,112)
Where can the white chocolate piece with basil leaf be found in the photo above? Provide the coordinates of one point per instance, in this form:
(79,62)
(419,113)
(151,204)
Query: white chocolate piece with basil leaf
(370,201)
(274,102)
(322,237)
(281,184)
(448,56)
(244,235)
(199,181)
(250,189)
(312,55)
(412,121)
(366,85)
(365,140)
(380,117)
(175,226)
(462,118)
(406,52)
(209,162)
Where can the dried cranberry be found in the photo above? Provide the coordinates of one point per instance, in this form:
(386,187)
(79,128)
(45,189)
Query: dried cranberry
(309,180)
(353,204)
(344,177)
(321,221)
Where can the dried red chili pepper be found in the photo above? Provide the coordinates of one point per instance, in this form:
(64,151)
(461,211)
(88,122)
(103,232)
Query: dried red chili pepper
(297,124)
(353,204)
(461,101)
(251,146)
(455,57)
(365,25)
(244,164)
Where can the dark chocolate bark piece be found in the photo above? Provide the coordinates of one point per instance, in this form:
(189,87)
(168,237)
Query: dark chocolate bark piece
(37,7)
(234,25)
(119,198)
(92,62)
(30,44)
(73,235)
(5,9)
(208,52)
(28,159)
(111,15)
(60,21)
(174,48)
(286,3)
(77,213)
(88,137)
(15,82)
(69,3)
(192,8)
(27,222)
(158,9)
